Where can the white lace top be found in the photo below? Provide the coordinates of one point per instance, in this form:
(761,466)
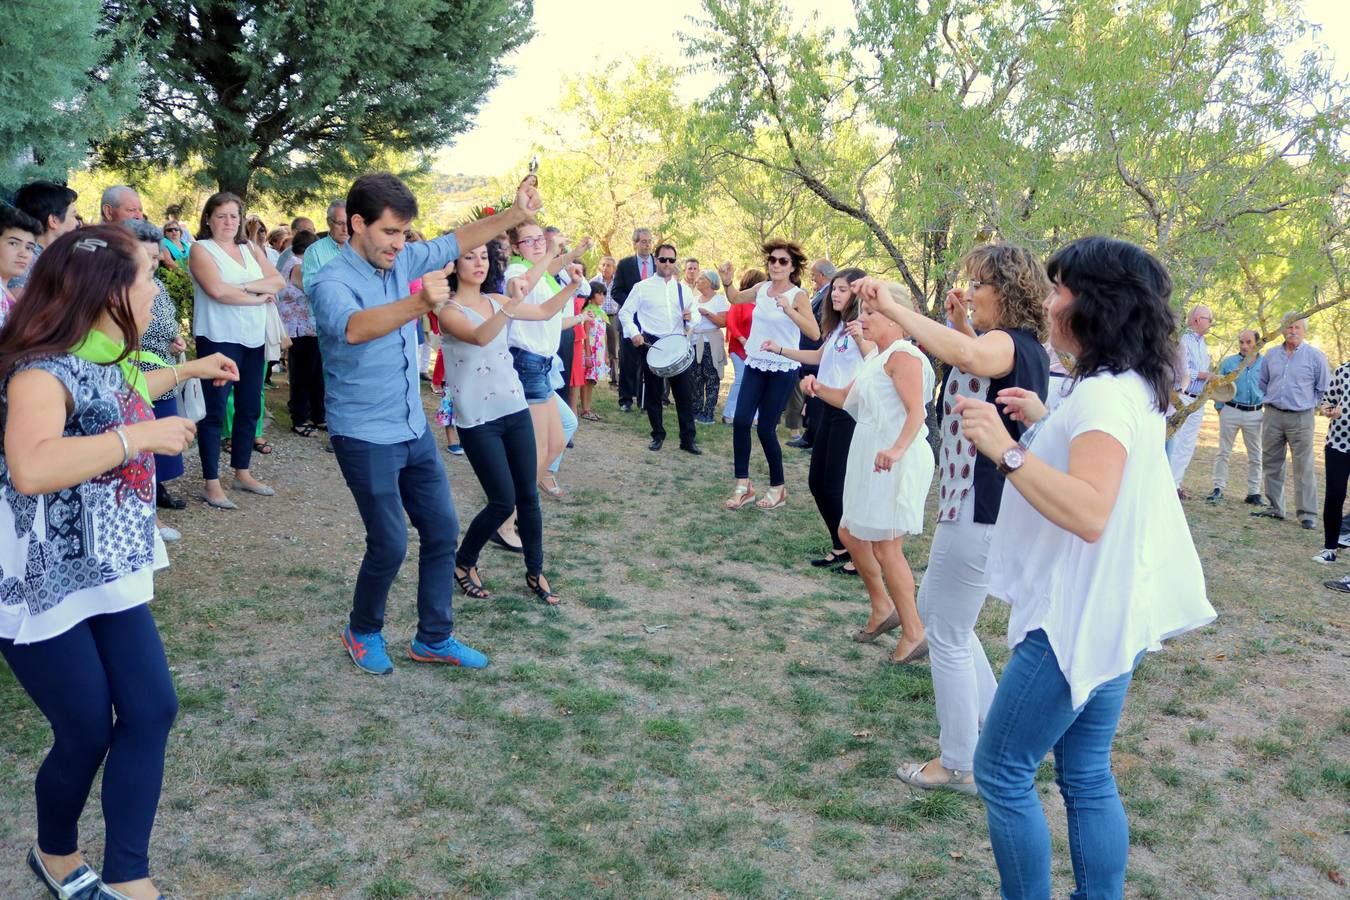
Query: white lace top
(771,323)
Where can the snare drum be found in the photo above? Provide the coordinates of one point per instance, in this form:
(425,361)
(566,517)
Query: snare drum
(670,356)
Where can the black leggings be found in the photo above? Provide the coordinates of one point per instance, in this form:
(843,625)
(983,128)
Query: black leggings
(305,371)
(503,457)
(1338,471)
(829,461)
(763,394)
(104,686)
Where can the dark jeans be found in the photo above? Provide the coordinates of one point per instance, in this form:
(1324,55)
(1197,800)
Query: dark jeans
(815,414)
(707,385)
(1338,471)
(306,375)
(681,386)
(631,364)
(167,468)
(763,394)
(567,344)
(829,462)
(247,406)
(386,480)
(503,457)
(104,686)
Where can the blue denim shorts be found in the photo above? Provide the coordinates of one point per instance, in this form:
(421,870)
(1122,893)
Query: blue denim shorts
(533,370)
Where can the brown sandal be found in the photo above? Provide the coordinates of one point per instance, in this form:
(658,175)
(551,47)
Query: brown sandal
(767,501)
(742,495)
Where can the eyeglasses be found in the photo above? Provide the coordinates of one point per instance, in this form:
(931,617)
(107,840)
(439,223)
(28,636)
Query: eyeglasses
(665,259)
(170,230)
(531,241)
(780,260)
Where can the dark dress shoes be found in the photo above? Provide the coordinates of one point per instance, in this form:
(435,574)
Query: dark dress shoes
(691,448)
(165,500)
(656,443)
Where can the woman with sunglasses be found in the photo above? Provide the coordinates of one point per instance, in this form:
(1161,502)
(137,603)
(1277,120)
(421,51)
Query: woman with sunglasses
(175,249)
(998,324)
(782,315)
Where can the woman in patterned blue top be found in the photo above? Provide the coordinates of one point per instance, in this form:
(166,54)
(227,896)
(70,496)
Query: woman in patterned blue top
(78,547)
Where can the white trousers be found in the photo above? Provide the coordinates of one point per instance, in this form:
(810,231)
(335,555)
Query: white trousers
(1231,422)
(950,599)
(1184,440)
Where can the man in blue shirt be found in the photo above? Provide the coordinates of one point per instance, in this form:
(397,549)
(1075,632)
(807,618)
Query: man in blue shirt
(366,318)
(1241,414)
(1293,377)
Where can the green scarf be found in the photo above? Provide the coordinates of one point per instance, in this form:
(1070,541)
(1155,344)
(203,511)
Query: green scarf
(97,347)
(548,280)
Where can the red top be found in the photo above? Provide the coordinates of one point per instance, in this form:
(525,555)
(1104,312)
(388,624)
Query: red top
(738,327)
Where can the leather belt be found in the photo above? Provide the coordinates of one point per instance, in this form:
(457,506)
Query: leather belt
(1245,407)
(1292,412)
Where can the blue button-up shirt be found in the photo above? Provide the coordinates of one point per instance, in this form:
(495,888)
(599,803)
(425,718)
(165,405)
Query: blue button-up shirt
(1296,381)
(1247,384)
(373,392)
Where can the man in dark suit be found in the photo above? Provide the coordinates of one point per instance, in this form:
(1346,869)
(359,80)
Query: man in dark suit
(632,269)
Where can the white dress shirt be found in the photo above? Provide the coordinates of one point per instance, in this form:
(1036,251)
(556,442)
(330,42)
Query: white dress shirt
(655,303)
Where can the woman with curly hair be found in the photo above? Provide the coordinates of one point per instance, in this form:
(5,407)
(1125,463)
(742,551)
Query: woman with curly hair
(998,324)
(1093,555)
(782,315)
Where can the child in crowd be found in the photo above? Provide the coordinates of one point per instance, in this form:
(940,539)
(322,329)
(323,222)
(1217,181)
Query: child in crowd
(593,360)
(18,236)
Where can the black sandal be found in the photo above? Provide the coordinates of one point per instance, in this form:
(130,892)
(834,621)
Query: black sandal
(544,594)
(470,584)
(303,430)
(834,557)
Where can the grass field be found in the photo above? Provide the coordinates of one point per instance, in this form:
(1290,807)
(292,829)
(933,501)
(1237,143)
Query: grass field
(744,748)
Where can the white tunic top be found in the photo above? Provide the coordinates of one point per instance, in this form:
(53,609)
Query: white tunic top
(228,322)
(840,358)
(771,323)
(541,338)
(1141,583)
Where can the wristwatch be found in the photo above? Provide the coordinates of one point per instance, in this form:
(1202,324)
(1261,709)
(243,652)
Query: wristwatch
(1012,460)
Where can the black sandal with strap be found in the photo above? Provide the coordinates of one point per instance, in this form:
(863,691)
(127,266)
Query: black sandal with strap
(470,584)
(545,595)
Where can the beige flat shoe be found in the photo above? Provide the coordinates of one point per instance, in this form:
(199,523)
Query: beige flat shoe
(912,656)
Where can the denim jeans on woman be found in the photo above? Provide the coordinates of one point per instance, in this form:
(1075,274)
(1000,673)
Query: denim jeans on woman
(764,394)
(1032,715)
(247,393)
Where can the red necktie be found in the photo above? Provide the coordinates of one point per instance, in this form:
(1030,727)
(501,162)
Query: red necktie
(644,268)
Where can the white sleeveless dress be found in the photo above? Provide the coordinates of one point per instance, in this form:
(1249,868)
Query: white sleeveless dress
(881,506)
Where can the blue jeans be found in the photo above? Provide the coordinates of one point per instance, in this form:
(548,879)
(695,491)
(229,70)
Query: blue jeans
(763,394)
(738,375)
(1032,714)
(104,686)
(247,393)
(569,424)
(386,480)
(533,370)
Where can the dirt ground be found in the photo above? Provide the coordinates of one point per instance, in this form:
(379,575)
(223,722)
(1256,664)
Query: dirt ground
(692,722)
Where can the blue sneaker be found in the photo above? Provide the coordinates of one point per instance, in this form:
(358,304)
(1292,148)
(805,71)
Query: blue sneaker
(367,651)
(447,651)
(455,450)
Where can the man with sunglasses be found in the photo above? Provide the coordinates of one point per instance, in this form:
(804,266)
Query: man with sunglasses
(658,307)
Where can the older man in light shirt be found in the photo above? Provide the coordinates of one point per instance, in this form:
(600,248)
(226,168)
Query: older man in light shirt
(664,306)
(1293,378)
(1193,346)
(120,203)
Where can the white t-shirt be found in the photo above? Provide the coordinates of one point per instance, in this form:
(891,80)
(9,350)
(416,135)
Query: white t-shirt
(718,303)
(541,338)
(840,358)
(1141,583)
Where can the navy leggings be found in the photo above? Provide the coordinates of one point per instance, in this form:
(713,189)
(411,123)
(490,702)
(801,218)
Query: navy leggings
(247,406)
(763,394)
(104,686)
(503,457)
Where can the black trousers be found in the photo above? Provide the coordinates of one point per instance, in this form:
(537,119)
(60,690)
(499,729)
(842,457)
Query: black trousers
(815,414)
(567,344)
(632,362)
(503,457)
(681,386)
(829,462)
(306,374)
(1338,471)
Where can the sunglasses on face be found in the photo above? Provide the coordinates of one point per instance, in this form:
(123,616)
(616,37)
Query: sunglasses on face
(665,259)
(780,260)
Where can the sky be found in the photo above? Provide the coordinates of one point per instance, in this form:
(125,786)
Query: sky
(603,32)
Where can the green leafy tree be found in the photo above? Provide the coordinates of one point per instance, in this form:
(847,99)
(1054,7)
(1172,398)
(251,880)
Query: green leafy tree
(58,87)
(279,98)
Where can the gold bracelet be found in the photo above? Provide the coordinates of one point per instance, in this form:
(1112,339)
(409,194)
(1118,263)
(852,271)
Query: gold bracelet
(176,380)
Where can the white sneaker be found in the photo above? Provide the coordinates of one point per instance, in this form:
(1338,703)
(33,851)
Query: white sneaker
(1344,540)
(169,534)
(1326,556)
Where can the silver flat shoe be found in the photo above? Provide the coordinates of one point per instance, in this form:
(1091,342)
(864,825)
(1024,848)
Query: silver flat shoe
(913,776)
(227,503)
(261,491)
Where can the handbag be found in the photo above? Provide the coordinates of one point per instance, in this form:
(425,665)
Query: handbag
(191,400)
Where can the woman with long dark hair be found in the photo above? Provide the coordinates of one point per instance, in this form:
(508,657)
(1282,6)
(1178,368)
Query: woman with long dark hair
(79,548)
(1092,551)
(232,283)
(998,326)
(838,358)
(782,315)
(492,414)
